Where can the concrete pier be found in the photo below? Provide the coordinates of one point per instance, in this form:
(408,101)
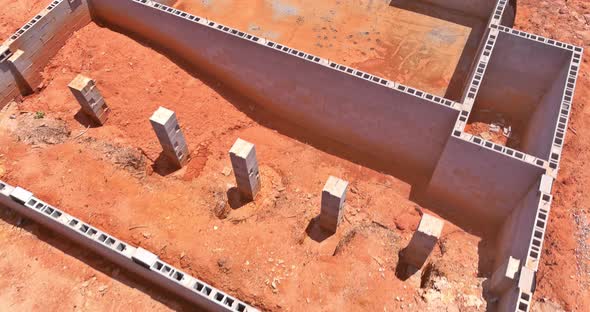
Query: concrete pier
(333,200)
(93,104)
(245,167)
(170,136)
(423,241)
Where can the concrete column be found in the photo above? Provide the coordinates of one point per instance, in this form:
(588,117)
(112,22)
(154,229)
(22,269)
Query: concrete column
(93,105)
(26,77)
(423,241)
(170,136)
(333,199)
(245,166)
(505,276)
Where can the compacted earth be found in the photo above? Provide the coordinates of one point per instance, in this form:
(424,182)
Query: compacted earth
(270,252)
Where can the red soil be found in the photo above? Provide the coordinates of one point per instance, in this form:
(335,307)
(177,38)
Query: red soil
(259,243)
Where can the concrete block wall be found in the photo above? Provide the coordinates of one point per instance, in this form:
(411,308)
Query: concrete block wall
(476,177)
(523,232)
(130,258)
(409,127)
(476,8)
(532,65)
(394,122)
(39,40)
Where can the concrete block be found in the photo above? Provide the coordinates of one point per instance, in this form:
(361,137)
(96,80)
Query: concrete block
(27,79)
(423,241)
(171,138)
(546,184)
(144,257)
(86,93)
(505,276)
(245,167)
(21,195)
(527,280)
(332,205)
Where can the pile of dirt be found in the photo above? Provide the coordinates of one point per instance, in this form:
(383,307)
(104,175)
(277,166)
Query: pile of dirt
(127,158)
(37,129)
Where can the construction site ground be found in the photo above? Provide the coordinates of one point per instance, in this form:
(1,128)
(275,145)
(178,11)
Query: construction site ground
(269,253)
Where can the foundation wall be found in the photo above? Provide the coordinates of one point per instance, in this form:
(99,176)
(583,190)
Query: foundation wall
(393,125)
(8,86)
(477,8)
(538,136)
(203,295)
(39,40)
(520,71)
(522,234)
(519,74)
(481,183)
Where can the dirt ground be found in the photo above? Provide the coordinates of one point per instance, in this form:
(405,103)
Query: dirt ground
(411,43)
(268,253)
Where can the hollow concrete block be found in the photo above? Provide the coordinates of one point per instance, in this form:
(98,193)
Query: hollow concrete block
(245,167)
(21,195)
(26,77)
(527,280)
(170,135)
(144,257)
(86,93)
(505,276)
(332,205)
(423,241)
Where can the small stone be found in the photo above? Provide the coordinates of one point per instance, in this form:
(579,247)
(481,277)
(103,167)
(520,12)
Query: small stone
(226,171)
(103,288)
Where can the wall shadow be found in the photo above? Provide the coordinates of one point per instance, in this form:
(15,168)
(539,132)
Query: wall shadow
(98,263)
(459,79)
